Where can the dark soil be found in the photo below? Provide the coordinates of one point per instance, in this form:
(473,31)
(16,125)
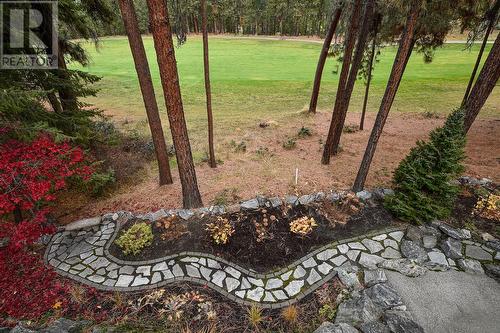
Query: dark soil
(279,247)
(462,214)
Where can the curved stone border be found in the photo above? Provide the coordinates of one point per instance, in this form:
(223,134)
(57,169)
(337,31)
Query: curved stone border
(83,255)
(81,252)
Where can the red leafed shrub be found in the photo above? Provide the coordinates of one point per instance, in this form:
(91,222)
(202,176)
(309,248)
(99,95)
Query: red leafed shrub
(28,289)
(30,175)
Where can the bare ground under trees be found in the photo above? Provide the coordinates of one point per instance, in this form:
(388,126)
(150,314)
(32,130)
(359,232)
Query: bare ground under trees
(269,169)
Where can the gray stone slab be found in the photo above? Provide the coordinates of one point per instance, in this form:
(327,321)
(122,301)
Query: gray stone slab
(390,253)
(327,254)
(470,266)
(273,283)
(391,243)
(372,245)
(309,263)
(255,294)
(380,237)
(357,310)
(455,233)
(353,254)
(328,327)
(396,235)
(338,260)
(443,302)
(438,258)
(294,287)
(452,248)
(313,277)
(356,246)
(231,284)
(299,272)
(412,250)
(373,277)
(218,278)
(478,253)
(384,296)
(343,248)
(404,266)
(81,224)
(369,261)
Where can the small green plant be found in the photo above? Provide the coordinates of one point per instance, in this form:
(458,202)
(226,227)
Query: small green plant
(304,132)
(350,128)
(239,147)
(99,182)
(431,115)
(290,144)
(134,239)
(327,312)
(263,152)
(424,187)
(226,196)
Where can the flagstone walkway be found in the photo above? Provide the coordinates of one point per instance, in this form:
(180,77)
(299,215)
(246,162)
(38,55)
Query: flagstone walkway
(83,255)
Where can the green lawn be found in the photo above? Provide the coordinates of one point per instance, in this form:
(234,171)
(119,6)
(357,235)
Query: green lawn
(268,79)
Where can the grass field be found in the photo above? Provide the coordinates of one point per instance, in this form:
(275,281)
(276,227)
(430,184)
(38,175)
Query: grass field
(253,80)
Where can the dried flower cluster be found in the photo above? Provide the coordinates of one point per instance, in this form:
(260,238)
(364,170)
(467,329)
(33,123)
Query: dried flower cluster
(488,207)
(261,228)
(220,231)
(350,203)
(174,306)
(173,228)
(303,226)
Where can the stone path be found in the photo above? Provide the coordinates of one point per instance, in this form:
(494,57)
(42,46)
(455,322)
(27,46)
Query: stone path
(451,301)
(83,255)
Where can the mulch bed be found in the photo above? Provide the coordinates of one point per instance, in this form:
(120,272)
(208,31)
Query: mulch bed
(278,248)
(462,215)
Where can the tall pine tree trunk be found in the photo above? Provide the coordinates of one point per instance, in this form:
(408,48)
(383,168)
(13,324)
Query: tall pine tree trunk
(164,46)
(208,90)
(492,14)
(369,79)
(484,85)
(66,95)
(405,47)
(54,102)
(322,59)
(344,74)
(353,73)
(148,95)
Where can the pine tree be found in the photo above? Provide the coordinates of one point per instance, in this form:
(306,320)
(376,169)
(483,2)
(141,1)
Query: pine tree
(404,51)
(485,83)
(165,54)
(424,187)
(208,90)
(322,59)
(147,89)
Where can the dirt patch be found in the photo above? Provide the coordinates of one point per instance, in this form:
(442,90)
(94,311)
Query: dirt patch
(262,239)
(266,168)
